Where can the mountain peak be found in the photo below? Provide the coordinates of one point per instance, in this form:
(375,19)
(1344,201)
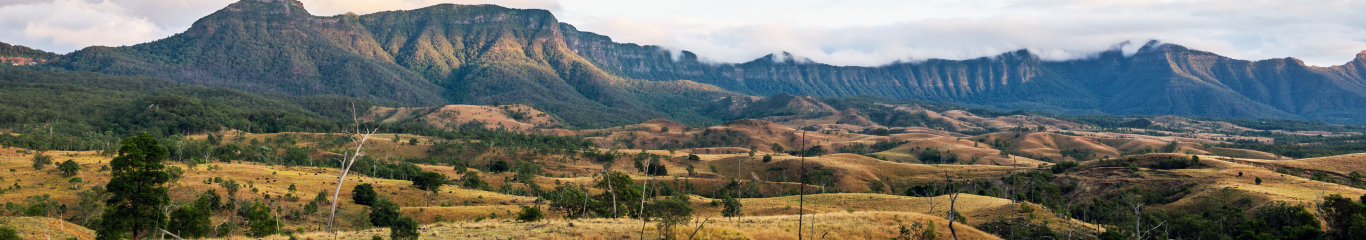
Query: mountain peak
(273,7)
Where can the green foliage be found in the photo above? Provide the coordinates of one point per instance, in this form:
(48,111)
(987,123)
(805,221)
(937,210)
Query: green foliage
(731,207)
(364,194)
(619,189)
(404,229)
(530,214)
(192,221)
(430,181)
(1280,221)
(262,224)
(876,186)
(8,233)
(668,213)
(498,166)
(8,50)
(1344,217)
(572,199)
(138,189)
(917,231)
(69,167)
(1258,180)
(1063,166)
(41,161)
(767,158)
(472,181)
(384,213)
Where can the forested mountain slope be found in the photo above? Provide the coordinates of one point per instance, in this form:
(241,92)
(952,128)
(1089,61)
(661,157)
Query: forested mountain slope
(478,54)
(1158,79)
(424,57)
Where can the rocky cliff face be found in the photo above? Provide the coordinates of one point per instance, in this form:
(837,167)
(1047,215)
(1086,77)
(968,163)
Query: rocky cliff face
(478,54)
(1158,79)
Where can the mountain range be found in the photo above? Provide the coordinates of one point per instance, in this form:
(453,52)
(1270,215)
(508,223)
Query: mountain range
(479,54)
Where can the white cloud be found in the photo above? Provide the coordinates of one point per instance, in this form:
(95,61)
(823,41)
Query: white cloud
(1321,32)
(864,33)
(65,25)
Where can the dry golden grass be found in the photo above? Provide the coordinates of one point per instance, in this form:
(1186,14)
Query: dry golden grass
(455,115)
(1208,182)
(1341,164)
(843,225)
(46,228)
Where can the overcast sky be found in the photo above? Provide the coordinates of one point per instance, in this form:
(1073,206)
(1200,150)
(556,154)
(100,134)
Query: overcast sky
(864,33)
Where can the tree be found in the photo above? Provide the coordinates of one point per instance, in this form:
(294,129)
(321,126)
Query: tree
(778,147)
(499,166)
(192,221)
(262,224)
(473,181)
(619,196)
(1258,180)
(137,188)
(69,167)
(430,181)
(346,161)
(530,214)
(768,157)
(384,213)
(1345,218)
(876,186)
(75,183)
(364,194)
(9,233)
(731,207)
(404,229)
(669,213)
(41,161)
(571,199)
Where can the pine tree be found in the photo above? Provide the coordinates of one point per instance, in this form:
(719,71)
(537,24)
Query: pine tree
(138,189)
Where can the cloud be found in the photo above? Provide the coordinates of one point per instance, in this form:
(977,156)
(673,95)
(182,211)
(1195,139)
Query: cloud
(1319,32)
(862,33)
(65,25)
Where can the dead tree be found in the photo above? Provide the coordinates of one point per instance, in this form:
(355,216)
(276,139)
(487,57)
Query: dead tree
(346,163)
(801,188)
(953,200)
(1138,218)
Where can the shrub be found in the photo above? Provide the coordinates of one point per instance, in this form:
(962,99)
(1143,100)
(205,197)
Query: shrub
(1063,166)
(530,214)
(405,228)
(40,161)
(364,194)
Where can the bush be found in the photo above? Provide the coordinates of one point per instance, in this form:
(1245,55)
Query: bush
(69,167)
(8,233)
(364,194)
(1063,166)
(768,158)
(384,213)
(40,161)
(405,228)
(499,166)
(430,181)
(530,214)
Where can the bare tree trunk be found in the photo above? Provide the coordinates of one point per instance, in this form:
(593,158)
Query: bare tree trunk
(801,188)
(953,200)
(346,167)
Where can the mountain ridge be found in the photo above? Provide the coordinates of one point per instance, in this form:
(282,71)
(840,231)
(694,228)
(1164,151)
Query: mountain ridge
(475,54)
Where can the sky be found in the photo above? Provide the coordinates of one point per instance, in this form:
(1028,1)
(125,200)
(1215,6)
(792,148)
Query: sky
(858,33)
